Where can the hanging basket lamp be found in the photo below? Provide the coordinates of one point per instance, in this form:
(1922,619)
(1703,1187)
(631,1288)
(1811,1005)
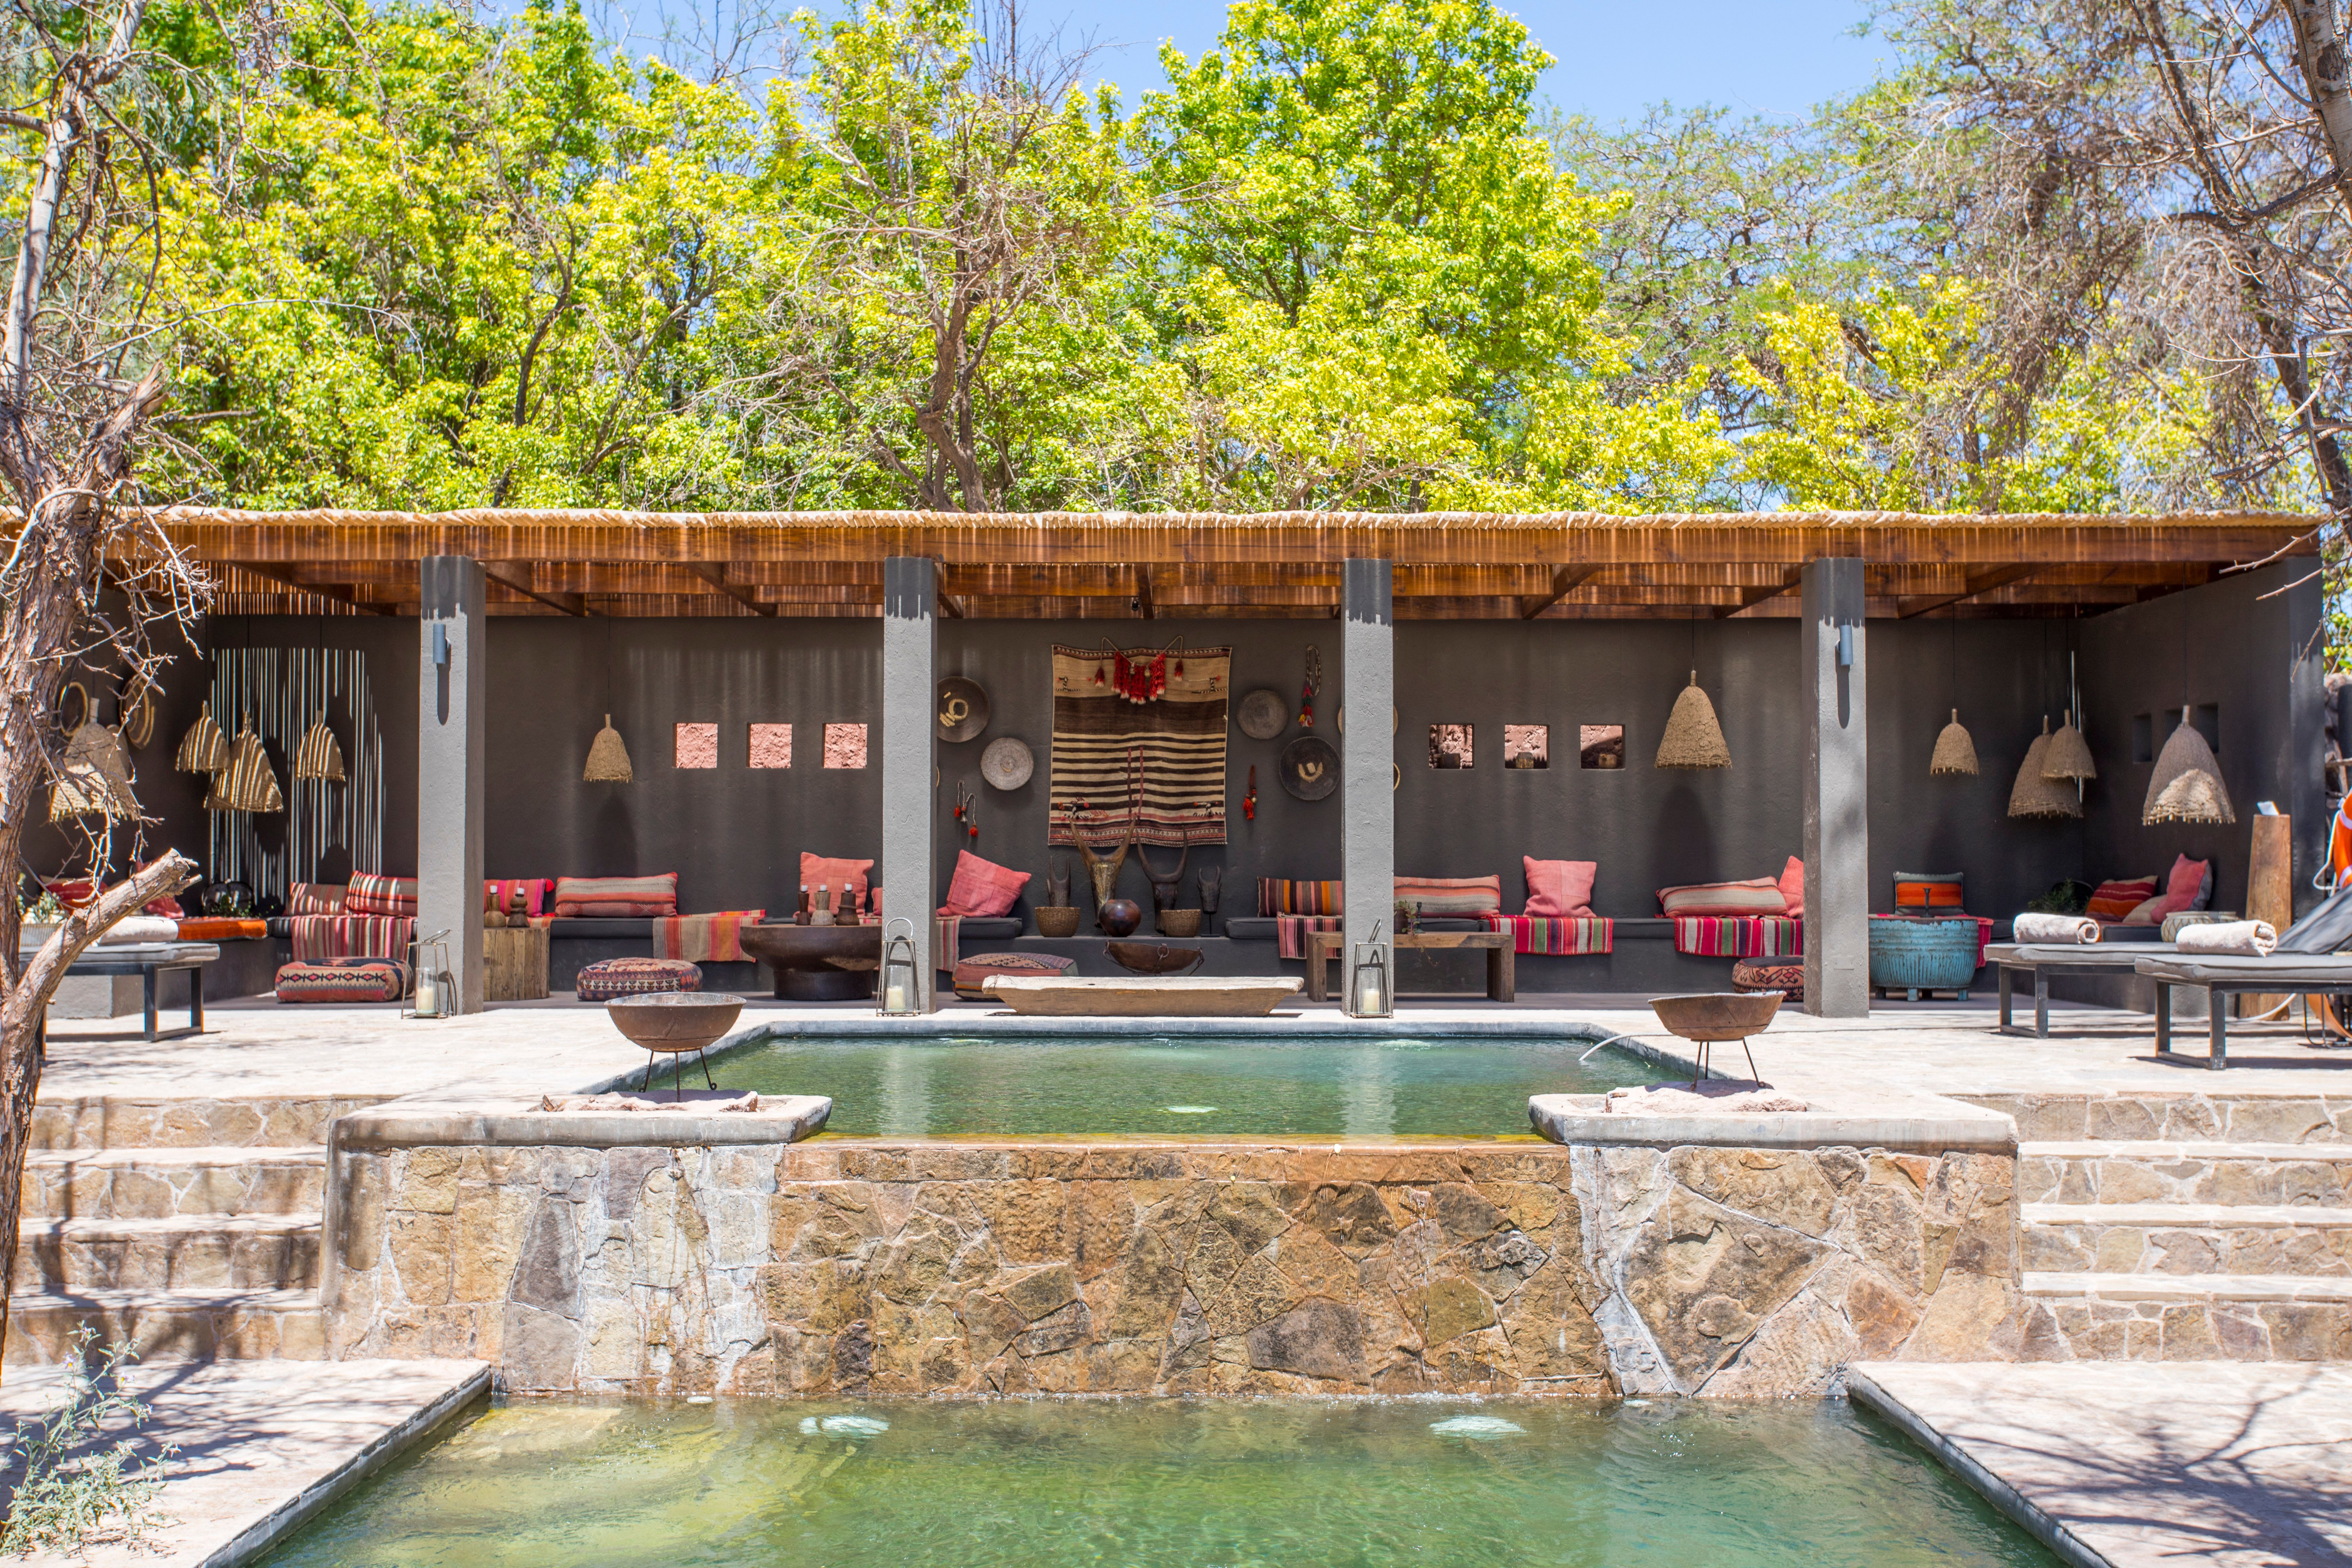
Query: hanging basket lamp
(318,757)
(1693,739)
(2036,797)
(608,758)
(2187,786)
(1956,753)
(94,778)
(2069,756)
(204,749)
(248,783)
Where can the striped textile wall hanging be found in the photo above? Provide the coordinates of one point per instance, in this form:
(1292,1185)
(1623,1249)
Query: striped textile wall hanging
(285,691)
(1161,758)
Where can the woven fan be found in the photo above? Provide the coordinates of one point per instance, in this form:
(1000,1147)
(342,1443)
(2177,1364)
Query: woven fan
(248,782)
(2187,786)
(608,758)
(2069,756)
(94,779)
(136,722)
(2035,795)
(1693,738)
(204,749)
(1956,752)
(318,757)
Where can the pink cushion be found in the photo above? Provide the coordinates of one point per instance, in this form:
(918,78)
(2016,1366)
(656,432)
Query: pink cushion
(982,887)
(1756,896)
(1559,890)
(2181,887)
(819,871)
(1793,887)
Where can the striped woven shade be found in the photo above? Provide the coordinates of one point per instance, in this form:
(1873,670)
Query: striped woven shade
(94,779)
(2187,786)
(204,749)
(1694,739)
(248,782)
(608,758)
(1956,752)
(319,756)
(2069,756)
(2033,795)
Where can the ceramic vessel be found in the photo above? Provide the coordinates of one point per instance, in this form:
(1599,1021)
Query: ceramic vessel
(1118,917)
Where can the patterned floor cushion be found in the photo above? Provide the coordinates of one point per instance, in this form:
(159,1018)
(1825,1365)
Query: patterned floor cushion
(342,980)
(977,971)
(1762,974)
(614,977)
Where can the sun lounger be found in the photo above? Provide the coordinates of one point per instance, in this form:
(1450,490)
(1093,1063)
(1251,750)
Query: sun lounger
(2042,959)
(2280,973)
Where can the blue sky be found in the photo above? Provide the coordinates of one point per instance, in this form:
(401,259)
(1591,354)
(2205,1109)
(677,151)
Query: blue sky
(1775,58)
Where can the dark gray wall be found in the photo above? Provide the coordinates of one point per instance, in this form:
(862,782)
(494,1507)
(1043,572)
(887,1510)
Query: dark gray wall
(735,834)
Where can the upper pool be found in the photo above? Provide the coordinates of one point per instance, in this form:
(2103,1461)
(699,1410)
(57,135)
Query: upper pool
(1166,1484)
(1152,1085)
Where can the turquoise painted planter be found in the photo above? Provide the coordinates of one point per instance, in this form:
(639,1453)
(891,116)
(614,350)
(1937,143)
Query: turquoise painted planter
(1914,955)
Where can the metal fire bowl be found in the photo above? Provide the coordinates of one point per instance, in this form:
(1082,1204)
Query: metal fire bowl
(1716,1015)
(675,1020)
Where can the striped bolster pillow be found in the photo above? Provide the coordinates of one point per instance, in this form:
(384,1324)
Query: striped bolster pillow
(1753,896)
(369,894)
(655,895)
(1453,897)
(1281,896)
(2115,899)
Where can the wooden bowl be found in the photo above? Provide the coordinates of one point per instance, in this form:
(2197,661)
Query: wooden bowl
(1061,921)
(1716,1015)
(1152,958)
(675,1020)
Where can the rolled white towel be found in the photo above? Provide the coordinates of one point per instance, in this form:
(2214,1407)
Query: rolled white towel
(2054,930)
(139,928)
(2231,939)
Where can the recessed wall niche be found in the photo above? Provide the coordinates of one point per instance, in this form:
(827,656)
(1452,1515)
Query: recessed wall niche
(1600,745)
(697,746)
(844,746)
(1450,746)
(772,745)
(1526,745)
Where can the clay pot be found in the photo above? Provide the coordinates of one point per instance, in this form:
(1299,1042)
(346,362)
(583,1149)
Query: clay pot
(1062,920)
(1118,917)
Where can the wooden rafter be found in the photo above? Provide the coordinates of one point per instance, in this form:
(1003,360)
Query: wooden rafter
(715,575)
(1981,583)
(516,574)
(1750,597)
(1563,579)
(294,580)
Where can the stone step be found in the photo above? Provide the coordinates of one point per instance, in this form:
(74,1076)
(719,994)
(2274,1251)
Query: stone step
(2251,1288)
(120,1121)
(182,1252)
(2124,1170)
(169,1325)
(2186,1316)
(2211,1116)
(2186,1239)
(152,1183)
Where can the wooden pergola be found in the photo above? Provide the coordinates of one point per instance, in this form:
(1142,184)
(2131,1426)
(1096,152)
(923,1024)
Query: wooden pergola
(1448,566)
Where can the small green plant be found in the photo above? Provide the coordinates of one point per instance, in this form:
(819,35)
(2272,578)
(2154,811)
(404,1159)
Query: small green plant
(67,1502)
(2066,898)
(44,911)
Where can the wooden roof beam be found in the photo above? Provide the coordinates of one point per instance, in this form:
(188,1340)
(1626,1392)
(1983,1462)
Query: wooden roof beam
(1751,598)
(1143,593)
(1563,579)
(716,577)
(336,592)
(1977,583)
(516,574)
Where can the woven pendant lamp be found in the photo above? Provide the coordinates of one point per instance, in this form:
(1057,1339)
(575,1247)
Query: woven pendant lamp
(608,758)
(1956,752)
(1693,738)
(248,782)
(204,749)
(94,780)
(319,756)
(2069,756)
(2036,797)
(2187,786)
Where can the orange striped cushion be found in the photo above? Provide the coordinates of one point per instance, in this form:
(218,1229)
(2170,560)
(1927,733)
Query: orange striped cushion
(1919,890)
(2113,901)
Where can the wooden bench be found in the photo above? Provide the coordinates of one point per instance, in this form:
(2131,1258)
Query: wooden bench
(2219,975)
(2042,959)
(1502,980)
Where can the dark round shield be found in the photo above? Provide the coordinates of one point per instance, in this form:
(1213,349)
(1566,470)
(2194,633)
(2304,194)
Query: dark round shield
(963,710)
(1309,767)
(1264,714)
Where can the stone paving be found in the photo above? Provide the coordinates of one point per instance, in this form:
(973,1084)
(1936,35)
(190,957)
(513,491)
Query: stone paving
(256,1438)
(2144,1466)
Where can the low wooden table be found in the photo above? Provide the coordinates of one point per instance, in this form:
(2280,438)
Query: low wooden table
(514,963)
(1502,967)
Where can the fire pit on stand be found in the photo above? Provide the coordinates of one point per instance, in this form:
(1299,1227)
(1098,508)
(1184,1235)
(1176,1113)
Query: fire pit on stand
(675,1022)
(1707,1017)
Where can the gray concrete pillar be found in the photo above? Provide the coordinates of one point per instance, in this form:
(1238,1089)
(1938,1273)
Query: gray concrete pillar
(453,671)
(1837,793)
(910,597)
(1367,757)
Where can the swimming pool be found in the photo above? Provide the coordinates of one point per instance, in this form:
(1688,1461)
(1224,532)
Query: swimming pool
(1159,1085)
(1165,1484)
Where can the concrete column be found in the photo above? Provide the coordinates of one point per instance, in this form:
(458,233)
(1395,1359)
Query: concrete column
(453,671)
(1367,756)
(1837,793)
(910,597)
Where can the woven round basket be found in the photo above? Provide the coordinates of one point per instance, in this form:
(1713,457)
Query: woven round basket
(1058,921)
(1177,922)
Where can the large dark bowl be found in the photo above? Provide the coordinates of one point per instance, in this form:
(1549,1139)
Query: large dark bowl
(675,1020)
(1152,958)
(817,963)
(1716,1015)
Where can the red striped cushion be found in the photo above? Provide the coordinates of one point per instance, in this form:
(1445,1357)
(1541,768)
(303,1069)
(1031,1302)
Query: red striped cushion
(369,894)
(1453,897)
(2113,901)
(655,896)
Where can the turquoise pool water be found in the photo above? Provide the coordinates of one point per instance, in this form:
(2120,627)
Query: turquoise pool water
(1329,1088)
(1164,1484)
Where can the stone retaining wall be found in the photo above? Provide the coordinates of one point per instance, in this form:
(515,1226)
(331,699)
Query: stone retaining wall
(863,1267)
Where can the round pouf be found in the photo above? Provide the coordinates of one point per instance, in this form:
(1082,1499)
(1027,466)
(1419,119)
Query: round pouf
(977,970)
(612,977)
(1757,975)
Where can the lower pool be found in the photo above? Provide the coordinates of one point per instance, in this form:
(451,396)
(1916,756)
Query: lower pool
(1150,1085)
(1183,1484)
